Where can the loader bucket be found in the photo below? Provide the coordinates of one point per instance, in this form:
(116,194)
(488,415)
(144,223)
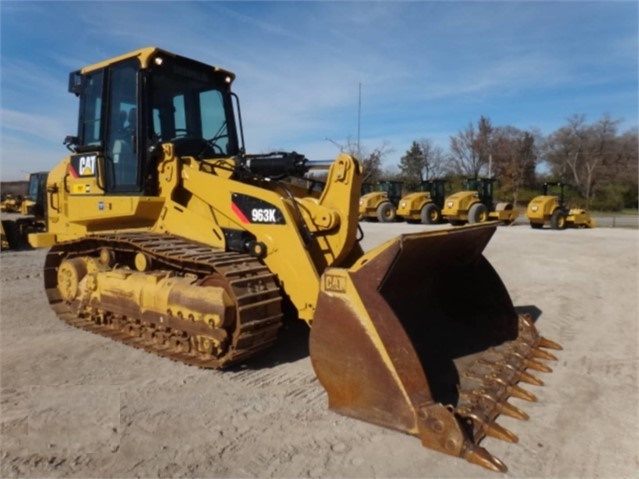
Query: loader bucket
(421,336)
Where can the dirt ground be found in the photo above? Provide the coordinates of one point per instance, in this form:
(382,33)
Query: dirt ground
(75,404)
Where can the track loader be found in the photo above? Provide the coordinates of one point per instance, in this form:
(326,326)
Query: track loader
(166,235)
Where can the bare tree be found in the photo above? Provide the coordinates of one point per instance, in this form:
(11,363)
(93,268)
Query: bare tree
(623,166)
(578,151)
(470,149)
(435,159)
(371,160)
(484,141)
(514,155)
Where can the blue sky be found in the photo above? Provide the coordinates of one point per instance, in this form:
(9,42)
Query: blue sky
(426,69)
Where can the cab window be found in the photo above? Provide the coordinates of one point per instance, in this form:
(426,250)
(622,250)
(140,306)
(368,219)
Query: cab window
(121,147)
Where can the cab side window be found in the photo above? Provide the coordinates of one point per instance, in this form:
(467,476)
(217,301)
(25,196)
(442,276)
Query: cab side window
(90,126)
(121,149)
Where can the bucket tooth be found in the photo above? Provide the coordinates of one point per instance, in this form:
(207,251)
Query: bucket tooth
(512,373)
(486,427)
(499,432)
(515,357)
(511,389)
(513,411)
(527,327)
(537,366)
(479,397)
(520,393)
(530,379)
(548,344)
(480,456)
(541,354)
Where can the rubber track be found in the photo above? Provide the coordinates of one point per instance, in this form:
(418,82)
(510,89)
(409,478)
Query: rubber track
(253,285)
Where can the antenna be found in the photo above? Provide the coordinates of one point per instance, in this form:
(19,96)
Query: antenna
(359,116)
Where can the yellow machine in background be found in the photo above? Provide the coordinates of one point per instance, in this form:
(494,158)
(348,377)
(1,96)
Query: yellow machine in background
(10,203)
(166,235)
(475,205)
(381,203)
(424,205)
(552,210)
(29,217)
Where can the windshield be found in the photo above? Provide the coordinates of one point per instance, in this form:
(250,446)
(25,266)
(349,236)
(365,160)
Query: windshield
(188,102)
(472,184)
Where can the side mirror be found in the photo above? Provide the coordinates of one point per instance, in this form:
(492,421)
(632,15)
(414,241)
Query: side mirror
(71,142)
(76,83)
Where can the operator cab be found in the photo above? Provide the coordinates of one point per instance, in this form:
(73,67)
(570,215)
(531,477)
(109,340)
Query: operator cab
(437,189)
(484,188)
(131,105)
(393,190)
(37,194)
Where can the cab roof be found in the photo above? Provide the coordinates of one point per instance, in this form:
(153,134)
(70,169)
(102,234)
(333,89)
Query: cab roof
(145,56)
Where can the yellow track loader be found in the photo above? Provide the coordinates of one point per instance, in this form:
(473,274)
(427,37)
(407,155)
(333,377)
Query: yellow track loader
(551,210)
(475,205)
(166,235)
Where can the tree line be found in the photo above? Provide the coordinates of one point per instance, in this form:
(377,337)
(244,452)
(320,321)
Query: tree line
(598,162)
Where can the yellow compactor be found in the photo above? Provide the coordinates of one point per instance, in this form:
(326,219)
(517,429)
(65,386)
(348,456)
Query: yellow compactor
(380,204)
(166,235)
(425,205)
(551,210)
(475,205)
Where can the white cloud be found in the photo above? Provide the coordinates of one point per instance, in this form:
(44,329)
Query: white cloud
(426,68)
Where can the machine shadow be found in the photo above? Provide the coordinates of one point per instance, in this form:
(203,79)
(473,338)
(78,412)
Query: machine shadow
(291,345)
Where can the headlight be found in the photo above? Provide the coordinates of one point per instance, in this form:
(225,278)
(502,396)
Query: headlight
(403,204)
(534,208)
(449,204)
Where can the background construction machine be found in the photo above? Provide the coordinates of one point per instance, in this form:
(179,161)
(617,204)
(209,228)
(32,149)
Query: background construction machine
(424,205)
(29,214)
(381,203)
(475,205)
(166,235)
(10,203)
(551,210)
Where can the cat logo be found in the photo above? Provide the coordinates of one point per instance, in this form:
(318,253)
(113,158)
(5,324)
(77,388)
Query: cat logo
(86,165)
(334,283)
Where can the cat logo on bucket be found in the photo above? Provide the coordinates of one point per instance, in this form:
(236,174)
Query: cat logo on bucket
(334,283)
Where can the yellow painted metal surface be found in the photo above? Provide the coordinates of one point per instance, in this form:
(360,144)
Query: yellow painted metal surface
(369,203)
(456,206)
(410,206)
